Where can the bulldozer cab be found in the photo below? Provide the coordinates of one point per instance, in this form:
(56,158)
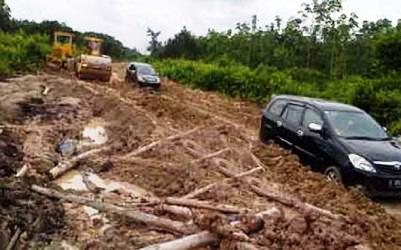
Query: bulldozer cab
(63,44)
(63,38)
(93,46)
(62,49)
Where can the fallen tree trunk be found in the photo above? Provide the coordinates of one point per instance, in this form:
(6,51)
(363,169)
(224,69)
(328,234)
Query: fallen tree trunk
(213,185)
(183,212)
(199,191)
(14,240)
(156,143)
(281,198)
(295,203)
(204,205)
(250,172)
(65,166)
(247,246)
(148,219)
(22,172)
(210,156)
(201,239)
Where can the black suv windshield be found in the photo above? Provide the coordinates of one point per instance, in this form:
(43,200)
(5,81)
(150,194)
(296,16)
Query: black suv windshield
(355,125)
(145,70)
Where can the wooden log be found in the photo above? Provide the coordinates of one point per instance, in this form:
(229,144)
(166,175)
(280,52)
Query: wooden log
(204,205)
(293,202)
(65,166)
(137,216)
(22,172)
(199,191)
(201,239)
(14,240)
(284,199)
(250,172)
(210,156)
(46,90)
(156,143)
(198,240)
(258,162)
(183,212)
(213,185)
(246,246)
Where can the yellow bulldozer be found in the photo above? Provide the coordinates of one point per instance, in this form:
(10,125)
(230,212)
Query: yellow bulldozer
(62,50)
(88,64)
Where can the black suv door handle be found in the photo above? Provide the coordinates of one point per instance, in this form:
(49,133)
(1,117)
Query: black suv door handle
(300,133)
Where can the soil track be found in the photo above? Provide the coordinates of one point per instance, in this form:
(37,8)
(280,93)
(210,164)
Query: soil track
(136,117)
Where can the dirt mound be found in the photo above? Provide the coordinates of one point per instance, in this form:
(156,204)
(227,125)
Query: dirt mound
(381,228)
(279,232)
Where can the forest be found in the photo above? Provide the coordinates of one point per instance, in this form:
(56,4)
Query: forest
(322,52)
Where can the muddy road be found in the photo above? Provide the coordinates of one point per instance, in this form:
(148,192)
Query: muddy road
(156,148)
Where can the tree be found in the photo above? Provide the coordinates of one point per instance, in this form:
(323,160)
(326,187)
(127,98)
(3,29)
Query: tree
(154,45)
(4,16)
(184,44)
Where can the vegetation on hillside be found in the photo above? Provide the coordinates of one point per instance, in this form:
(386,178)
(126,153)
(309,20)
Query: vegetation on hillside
(25,44)
(322,38)
(20,52)
(381,97)
(323,53)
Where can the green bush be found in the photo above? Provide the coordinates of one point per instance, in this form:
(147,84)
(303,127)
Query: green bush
(239,81)
(380,97)
(20,52)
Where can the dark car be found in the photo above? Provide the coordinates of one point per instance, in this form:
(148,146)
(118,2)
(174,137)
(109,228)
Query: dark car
(142,74)
(346,143)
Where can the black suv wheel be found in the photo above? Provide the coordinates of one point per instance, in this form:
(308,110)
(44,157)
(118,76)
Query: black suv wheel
(334,175)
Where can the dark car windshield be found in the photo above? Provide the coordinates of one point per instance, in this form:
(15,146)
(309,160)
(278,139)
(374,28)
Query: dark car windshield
(145,70)
(355,125)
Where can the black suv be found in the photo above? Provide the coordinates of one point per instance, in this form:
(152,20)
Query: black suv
(142,74)
(349,145)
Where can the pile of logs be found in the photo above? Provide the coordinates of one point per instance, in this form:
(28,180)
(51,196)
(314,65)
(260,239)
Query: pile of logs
(187,209)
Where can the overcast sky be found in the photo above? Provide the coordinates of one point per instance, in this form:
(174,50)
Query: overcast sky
(127,20)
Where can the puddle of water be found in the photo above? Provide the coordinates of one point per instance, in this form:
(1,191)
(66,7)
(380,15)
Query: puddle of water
(94,133)
(73,180)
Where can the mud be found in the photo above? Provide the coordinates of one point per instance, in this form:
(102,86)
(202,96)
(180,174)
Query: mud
(381,227)
(37,217)
(127,118)
(11,155)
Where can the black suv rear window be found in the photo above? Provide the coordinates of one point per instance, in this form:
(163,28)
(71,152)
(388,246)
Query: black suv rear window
(277,107)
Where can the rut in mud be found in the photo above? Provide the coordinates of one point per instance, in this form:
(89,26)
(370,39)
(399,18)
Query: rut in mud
(34,125)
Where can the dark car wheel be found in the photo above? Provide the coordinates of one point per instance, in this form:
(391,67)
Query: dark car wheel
(334,175)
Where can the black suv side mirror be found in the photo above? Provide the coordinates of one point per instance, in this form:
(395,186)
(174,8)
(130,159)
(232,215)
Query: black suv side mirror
(316,128)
